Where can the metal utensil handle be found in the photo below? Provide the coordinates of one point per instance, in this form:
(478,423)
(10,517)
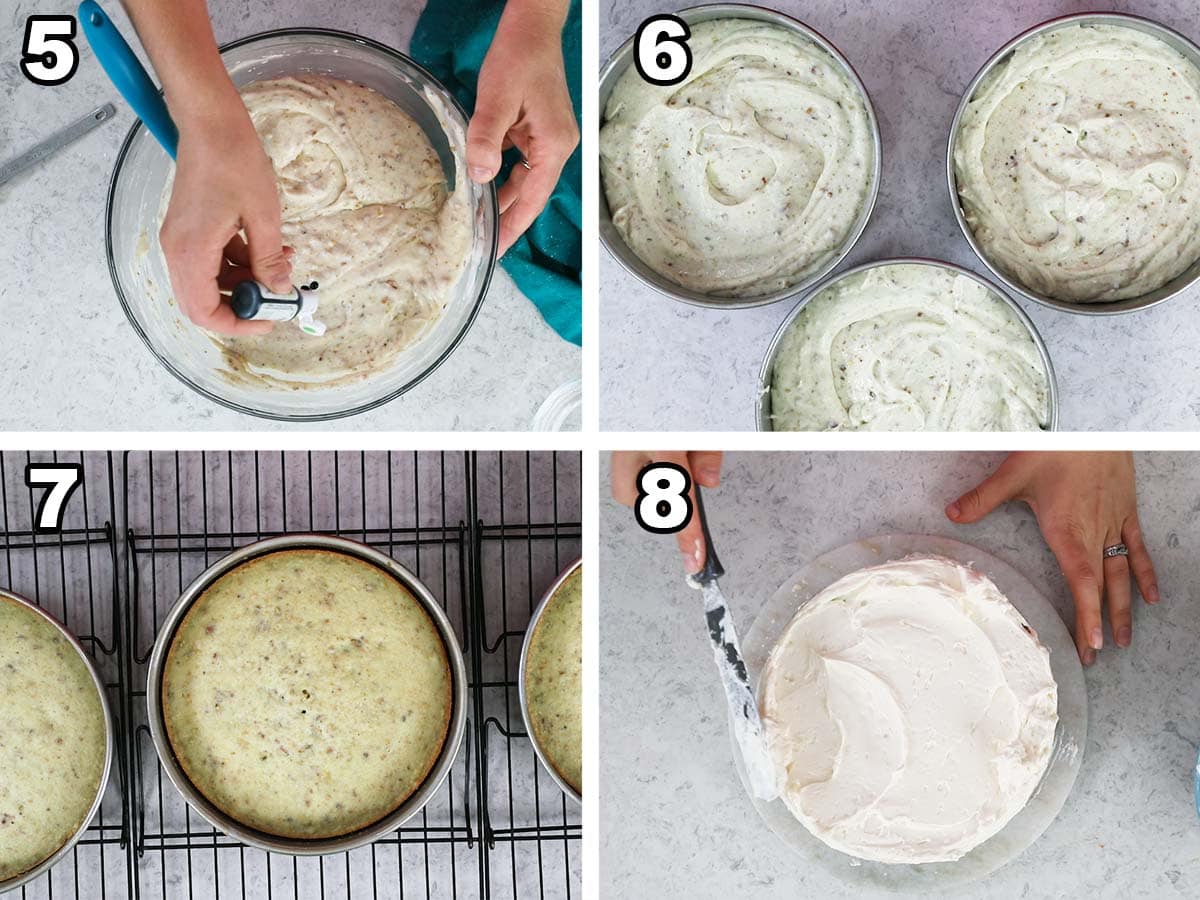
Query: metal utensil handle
(712,566)
(56,142)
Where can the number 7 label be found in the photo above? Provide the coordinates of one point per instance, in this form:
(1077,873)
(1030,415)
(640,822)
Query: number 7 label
(61,479)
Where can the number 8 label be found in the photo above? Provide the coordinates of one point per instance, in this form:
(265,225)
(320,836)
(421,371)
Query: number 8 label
(663,505)
(660,50)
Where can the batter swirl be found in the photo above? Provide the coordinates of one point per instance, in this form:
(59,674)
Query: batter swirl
(366,209)
(748,175)
(1076,163)
(908,347)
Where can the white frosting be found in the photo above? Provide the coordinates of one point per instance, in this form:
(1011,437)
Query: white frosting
(910,710)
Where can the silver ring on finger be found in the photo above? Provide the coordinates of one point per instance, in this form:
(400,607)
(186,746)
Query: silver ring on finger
(526,164)
(1116,550)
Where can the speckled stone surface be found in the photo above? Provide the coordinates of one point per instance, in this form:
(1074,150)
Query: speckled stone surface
(674,813)
(1130,372)
(71,359)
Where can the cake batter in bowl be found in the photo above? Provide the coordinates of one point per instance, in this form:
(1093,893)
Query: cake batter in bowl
(1069,737)
(347,371)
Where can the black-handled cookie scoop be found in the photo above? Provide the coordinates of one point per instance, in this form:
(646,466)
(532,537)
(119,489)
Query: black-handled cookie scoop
(253,301)
(743,708)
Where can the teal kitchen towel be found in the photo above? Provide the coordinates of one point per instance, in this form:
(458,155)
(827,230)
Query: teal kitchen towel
(451,40)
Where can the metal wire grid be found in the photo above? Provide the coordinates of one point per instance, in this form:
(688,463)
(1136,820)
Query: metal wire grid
(73,576)
(526,511)
(424,510)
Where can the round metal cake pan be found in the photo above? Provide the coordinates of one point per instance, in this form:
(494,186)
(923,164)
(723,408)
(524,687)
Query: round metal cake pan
(533,623)
(1171,38)
(298,846)
(762,403)
(616,66)
(30,874)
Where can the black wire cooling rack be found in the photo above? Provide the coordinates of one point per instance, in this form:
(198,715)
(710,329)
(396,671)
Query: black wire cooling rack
(73,576)
(487,533)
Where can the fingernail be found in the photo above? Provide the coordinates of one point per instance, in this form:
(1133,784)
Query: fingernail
(479,174)
(1089,656)
(1098,638)
(1124,636)
(691,560)
(710,474)
(953,510)
(1152,594)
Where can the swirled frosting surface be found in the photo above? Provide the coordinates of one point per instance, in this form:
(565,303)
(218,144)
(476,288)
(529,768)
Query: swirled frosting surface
(908,347)
(1077,165)
(748,175)
(910,711)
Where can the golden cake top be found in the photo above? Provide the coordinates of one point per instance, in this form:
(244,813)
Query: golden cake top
(53,739)
(307,693)
(554,680)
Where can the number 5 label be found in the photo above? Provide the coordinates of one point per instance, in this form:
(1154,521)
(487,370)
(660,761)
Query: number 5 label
(663,505)
(48,55)
(61,479)
(660,50)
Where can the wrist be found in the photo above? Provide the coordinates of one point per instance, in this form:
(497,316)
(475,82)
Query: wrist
(211,105)
(544,18)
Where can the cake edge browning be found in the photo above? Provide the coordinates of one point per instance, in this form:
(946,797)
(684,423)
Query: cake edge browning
(364,822)
(534,722)
(101,781)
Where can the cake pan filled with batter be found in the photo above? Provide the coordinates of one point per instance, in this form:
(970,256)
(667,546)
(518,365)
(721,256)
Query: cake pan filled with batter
(370,152)
(56,741)
(764,195)
(550,681)
(374,697)
(1074,163)
(873,349)
(1046,671)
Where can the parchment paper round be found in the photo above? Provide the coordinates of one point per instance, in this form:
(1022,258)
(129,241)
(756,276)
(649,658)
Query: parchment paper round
(1069,737)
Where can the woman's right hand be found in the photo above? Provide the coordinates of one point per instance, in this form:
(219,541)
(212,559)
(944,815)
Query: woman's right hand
(224,184)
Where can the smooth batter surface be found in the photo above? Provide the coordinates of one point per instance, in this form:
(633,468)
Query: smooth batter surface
(748,175)
(554,680)
(365,207)
(908,347)
(910,710)
(307,693)
(52,739)
(1077,163)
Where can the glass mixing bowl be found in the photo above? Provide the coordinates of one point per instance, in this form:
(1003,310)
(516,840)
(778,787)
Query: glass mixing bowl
(139,272)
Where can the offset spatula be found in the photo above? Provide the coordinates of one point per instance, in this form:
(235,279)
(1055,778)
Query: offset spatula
(747,726)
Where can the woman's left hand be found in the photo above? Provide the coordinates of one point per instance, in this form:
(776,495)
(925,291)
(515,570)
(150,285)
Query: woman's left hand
(522,101)
(1084,503)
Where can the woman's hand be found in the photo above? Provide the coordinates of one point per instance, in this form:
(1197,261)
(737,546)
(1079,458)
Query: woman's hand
(224,183)
(522,100)
(705,470)
(1084,503)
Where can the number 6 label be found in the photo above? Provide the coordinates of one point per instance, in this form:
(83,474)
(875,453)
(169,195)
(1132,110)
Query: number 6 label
(660,50)
(663,505)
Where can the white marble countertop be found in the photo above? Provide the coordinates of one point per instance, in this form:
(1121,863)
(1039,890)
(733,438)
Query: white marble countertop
(1129,372)
(73,363)
(673,810)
